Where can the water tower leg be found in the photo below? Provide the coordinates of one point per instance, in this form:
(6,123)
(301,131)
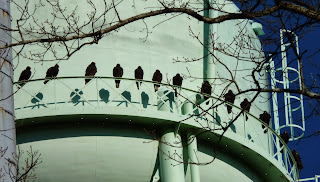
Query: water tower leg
(171,157)
(192,152)
(7,124)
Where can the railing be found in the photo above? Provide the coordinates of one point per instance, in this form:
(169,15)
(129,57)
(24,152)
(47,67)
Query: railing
(70,92)
(315,179)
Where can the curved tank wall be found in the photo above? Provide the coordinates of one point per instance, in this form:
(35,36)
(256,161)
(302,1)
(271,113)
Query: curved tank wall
(155,46)
(117,152)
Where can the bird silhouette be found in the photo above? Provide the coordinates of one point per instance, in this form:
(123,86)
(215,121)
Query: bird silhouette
(117,72)
(265,117)
(206,89)
(90,71)
(297,158)
(229,97)
(138,74)
(157,77)
(285,137)
(52,72)
(245,105)
(24,76)
(177,81)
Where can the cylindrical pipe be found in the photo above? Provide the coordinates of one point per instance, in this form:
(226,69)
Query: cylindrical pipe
(192,153)
(208,31)
(7,126)
(171,157)
(170,147)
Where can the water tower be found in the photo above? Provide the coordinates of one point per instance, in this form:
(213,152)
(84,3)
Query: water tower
(97,132)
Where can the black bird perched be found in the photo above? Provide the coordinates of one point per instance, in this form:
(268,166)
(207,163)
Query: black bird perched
(297,157)
(52,72)
(138,74)
(285,137)
(229,97)
(265,117)
(245,105)
(117,72)
(206,89)
(24,76)
(177,81)
(90,71)
(157,77)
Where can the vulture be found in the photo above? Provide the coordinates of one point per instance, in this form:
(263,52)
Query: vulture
(177,81)
(90,71)
(297,158)
(117,72)
(206,89)
(24,76)
(138,74)
(52,72)
(157,77)
(245,105)
(229,97)
(285,137)
(265,117)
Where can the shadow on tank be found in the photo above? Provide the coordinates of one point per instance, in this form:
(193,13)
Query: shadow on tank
(36,100)
(144,99)
(76,96)
(127,96)
(104,95)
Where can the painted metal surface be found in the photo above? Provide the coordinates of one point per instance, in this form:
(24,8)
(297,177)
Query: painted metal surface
(7,125)
(67,97)
(193,157)
(315,179)
(290,75)
(160,106)
(208,43)
(120,153)
(171,156)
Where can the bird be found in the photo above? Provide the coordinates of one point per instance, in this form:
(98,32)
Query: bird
(138,74)
(285,137)
(90,71)
(245,105)
(297,158)
(206,89)
(52,72)
(265,117)
(229,97)
(157,77)
(177,81)
(117,72)
(24,76)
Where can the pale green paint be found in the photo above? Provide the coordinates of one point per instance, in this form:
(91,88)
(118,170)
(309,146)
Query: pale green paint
(167,41)
(171,156)
(193,157)
(208,32)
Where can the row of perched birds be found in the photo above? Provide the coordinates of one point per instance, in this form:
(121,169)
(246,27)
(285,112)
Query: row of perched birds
(265,117)
(91,70)
(206,88)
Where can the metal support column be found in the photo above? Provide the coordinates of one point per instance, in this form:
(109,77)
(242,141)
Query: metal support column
(171,157)
(170,145)
(192,152)
(208,32)
(7,125)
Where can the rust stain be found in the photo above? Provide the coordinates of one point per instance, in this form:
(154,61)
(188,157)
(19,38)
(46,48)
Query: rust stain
(4,14)
(2,113)
(4,63)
